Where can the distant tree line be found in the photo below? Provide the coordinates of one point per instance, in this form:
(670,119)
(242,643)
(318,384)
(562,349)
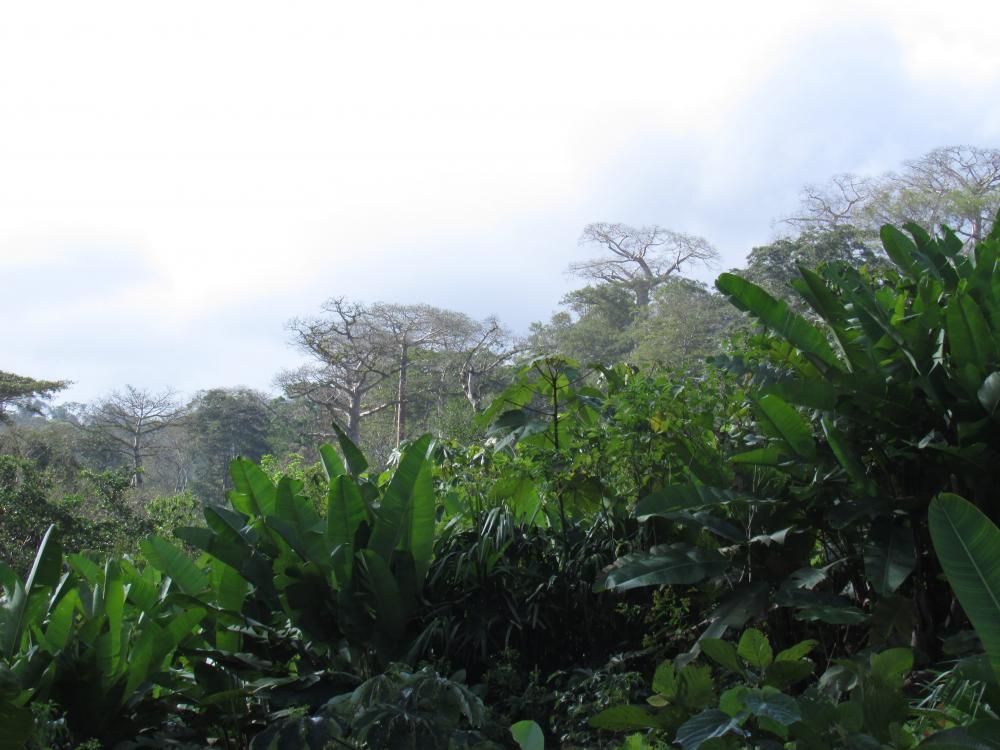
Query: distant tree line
(386,372)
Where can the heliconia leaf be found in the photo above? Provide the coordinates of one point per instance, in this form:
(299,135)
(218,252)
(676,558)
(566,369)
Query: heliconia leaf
(692,496)
(890,555)
(294,508)
(254,485)
(777,316)
(389,614)
(408,503)
(42,578)
(356,460)
(332,464)
(846,457)
(664,564)
(110,658)
(345,512)
(983,734)
(60,624)
(767,456)
(779,420)
(968,546)
(989,392)
(900,249)
(970,340)
(173,562)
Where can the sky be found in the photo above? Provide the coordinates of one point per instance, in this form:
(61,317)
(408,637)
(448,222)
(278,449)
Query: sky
(178,180)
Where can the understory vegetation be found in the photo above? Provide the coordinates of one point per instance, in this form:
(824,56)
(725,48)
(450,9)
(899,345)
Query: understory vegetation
(792,544)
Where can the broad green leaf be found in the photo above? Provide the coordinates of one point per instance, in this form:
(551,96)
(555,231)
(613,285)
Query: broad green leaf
(293,508)
(664,564)
(777,316)
(255,492)
(722,653)
(832,614)
(797,651)
(989,392)
(345,512)
(774,705)
(528,735)
(16,614)
(890,555)
(755,648)
(60,626)
(847,457)
(231,591)
(892,664)
(17,726)
(390,616)
(173,562)
(731,700)
(784,673)
(356,460)
(405,518)
(707,725)
(970,340)
(968,546)
(692,496)
(779,420)
(900,249)
(332,464)
(47,567)
(695,687)
(983,734)
(665,680)
(770,455)
(110,658)
(624,719)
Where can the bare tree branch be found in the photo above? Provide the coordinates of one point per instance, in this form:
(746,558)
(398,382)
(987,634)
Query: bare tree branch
(640,258)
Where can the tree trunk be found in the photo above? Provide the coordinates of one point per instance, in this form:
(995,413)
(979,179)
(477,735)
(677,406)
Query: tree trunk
(354,418)
(404,363)
(641,295)
(136,462)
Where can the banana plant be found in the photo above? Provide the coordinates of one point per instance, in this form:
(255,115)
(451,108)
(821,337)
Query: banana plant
(94,639)
(353,577)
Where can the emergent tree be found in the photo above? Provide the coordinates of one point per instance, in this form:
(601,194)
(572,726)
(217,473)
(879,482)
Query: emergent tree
(955,185)
(130,419)
(640,258)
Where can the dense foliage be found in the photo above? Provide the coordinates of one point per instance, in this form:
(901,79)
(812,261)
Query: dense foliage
(794,546)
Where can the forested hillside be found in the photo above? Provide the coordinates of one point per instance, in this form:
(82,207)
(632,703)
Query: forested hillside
(755,514)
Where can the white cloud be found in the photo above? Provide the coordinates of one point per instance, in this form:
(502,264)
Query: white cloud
(259,156)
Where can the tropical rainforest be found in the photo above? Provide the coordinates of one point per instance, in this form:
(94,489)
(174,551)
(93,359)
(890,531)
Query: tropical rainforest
(757,514)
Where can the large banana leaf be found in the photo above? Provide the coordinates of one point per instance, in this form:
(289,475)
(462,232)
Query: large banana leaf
(332,464)
(779,420)
(405,517)
(968,545)
(687,497)
(345,512)
(172,561)
(970,340)
(664,564)
(255,493)
(776,315)
(16,605)
(890,555)
(356,460)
